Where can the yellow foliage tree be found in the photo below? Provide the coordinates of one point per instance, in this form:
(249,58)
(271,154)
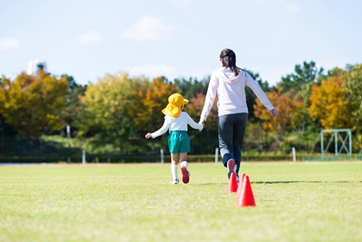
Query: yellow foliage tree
(32,104)
(329,103)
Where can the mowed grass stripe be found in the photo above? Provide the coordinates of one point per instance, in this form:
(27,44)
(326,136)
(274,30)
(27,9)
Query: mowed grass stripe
(294,202)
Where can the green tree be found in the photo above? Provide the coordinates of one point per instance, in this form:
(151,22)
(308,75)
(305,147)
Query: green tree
(300,83)
(191,87)
(32,104)
(73,111)
(107,111)
(306,74)
(353,89)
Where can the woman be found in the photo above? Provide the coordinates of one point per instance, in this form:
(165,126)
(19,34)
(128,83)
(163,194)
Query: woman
(228,84)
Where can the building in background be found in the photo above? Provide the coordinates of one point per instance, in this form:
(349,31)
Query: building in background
(34,66)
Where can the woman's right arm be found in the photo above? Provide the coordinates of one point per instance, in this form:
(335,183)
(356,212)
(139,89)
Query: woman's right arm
(209,99)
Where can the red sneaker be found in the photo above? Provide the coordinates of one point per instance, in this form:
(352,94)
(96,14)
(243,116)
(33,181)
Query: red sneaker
(230,166)
(185,175)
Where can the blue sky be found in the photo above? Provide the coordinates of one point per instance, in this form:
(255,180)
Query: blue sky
(177,38)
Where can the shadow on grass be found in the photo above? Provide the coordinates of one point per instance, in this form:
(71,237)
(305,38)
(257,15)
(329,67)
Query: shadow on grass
(211,184)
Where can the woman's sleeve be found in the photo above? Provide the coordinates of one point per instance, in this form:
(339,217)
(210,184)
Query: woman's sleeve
(210,97)
(254,86)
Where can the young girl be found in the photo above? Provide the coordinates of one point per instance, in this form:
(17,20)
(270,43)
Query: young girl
(176,123)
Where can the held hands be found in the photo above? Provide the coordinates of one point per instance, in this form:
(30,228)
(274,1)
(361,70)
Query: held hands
(274,112)
(202,123)
(148,135)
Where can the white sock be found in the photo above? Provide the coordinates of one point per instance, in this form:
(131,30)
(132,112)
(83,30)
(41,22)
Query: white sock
(174,171)
(184,163)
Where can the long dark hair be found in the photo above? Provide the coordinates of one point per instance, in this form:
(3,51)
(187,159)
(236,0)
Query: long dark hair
(228,59)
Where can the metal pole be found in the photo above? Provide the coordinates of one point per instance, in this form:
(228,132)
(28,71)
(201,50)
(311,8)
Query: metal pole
(83,157)
(322,144)
(294,156)
(350,144)
(216,154)
(162,156)
(335,144)
(68,131)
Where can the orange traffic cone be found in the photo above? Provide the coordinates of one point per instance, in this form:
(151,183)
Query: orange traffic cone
(246,197)
(240,185)
(233,185)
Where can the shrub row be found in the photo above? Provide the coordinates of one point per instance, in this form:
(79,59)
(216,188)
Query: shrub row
(156,158)
(153,158)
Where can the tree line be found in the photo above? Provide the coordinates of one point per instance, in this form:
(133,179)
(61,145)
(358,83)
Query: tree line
(120,110)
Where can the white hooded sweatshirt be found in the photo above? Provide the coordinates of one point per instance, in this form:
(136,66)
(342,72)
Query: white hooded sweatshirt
(230,90)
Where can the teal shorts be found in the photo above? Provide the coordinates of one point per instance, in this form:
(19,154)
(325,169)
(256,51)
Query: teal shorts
(178,142)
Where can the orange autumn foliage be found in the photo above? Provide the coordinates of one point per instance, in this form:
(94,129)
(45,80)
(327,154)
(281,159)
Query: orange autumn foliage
(148,103)
(289,108)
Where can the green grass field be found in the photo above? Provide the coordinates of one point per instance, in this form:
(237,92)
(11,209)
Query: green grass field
(294,202)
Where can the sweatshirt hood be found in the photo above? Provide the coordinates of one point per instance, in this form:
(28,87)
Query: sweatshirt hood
(228,76)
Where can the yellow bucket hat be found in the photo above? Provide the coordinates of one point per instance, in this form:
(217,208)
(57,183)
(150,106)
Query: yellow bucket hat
(175,102)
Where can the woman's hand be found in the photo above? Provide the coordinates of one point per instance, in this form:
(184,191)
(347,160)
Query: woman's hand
(274,112)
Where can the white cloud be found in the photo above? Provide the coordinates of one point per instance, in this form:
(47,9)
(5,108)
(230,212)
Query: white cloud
(181,3)
(148,29)
(90,37)
(153,71)
(9,43)
(292,9)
